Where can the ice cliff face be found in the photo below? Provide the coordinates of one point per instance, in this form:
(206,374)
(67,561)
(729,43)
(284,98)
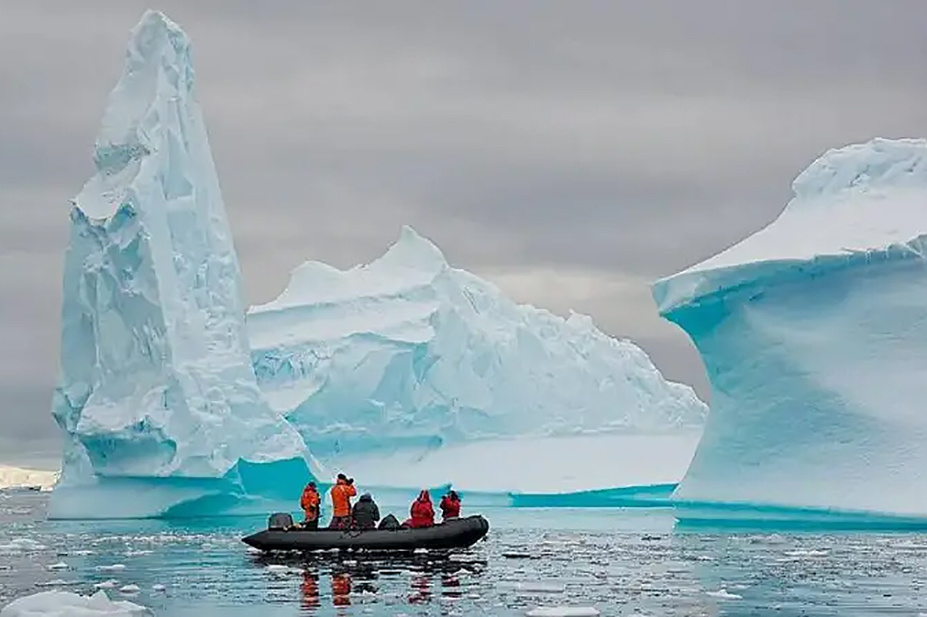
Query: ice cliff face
(813,333)
(409,352)
(156,395)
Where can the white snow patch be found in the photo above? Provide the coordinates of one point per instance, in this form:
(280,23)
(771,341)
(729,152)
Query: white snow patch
(524,465)
(116,567)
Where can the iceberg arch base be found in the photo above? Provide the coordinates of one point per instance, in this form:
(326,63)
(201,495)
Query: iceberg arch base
(814,348)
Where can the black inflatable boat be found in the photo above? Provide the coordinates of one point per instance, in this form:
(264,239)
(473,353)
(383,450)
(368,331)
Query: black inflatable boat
(282,536)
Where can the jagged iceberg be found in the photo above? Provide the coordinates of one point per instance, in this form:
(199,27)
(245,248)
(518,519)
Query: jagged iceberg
(157,398)
(813,332)
(407,372)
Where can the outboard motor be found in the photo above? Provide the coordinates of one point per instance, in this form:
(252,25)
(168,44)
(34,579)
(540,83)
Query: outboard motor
(280,520)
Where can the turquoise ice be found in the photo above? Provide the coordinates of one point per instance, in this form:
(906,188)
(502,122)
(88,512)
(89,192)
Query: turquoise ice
(813,332)
(157,399)
(409,372)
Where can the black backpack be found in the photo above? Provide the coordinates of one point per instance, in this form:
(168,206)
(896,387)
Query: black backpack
(389,522)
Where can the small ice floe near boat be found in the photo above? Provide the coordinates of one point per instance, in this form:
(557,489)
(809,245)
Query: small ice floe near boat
(563,611)
(67,604)
(22,545)
(58,582)
(723,594)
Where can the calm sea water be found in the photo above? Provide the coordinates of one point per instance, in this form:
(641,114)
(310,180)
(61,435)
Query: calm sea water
(622,562)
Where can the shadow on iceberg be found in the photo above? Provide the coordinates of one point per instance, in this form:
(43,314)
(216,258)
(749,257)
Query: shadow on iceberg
(246,489)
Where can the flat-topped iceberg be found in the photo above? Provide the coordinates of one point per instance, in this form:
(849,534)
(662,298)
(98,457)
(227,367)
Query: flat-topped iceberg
(408,371)
(813,333)
(156,397)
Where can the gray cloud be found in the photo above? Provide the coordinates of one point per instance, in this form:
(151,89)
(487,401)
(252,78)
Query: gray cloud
(601,143)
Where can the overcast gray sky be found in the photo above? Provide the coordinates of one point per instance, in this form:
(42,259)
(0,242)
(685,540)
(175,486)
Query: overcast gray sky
(598,145)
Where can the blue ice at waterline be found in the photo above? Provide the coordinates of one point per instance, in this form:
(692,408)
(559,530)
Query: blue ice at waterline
(813,332)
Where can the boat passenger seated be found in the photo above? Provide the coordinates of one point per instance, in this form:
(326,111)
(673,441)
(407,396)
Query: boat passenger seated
(366,513)
(422,513)
(450,506)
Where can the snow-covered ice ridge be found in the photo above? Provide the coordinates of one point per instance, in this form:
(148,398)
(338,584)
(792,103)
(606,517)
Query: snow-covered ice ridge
(813,331)
(156,397)
(404,368)
(16,477)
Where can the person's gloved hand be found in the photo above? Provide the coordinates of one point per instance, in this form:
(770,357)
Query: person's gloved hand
(350,480)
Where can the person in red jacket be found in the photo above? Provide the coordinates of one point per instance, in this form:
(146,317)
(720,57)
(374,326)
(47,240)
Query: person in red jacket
(422,512)
(450,506)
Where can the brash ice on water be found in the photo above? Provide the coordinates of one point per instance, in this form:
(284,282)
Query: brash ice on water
(813,331)
(156,395)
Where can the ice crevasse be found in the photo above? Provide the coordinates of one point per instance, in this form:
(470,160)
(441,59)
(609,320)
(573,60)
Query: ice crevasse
(157,400)
(406,372)
(813,332)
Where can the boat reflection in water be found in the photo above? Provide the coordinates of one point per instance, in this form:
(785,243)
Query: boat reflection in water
(371,579)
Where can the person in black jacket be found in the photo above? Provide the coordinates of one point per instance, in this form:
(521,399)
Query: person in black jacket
(366,513)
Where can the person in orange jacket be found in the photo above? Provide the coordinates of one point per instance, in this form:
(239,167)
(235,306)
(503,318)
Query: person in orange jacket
(422,512)
(309,502)
(341,494)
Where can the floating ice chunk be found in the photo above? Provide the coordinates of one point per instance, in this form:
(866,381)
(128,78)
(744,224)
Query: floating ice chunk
(67,604)
(131,588)
(57,566)
(563,611)
(116,567)
(723,594)
(108,584)
(158,587)
(57,583)
(533,586)
(22,545)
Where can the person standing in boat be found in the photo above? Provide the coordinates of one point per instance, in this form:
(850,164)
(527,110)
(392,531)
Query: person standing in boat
(450,506)
(341,494)
(422,512)
(309,502)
